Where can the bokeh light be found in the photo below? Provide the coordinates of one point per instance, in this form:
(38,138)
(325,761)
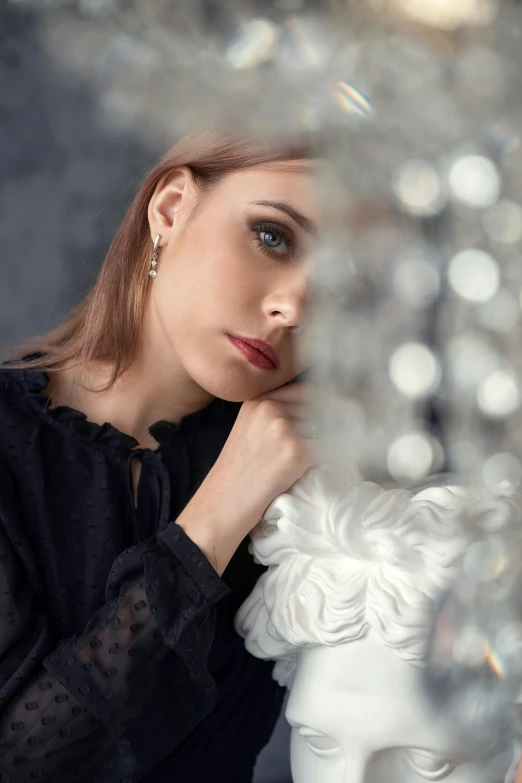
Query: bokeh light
(413,455)
(498,394)
(253,44)
(474,275)
(419,189)
(414,370)
(502,473)
(474,180)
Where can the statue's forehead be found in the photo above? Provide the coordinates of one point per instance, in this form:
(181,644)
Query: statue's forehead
(364,663)
(339,692)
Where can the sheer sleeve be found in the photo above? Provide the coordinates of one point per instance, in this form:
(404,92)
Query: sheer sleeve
(63,707)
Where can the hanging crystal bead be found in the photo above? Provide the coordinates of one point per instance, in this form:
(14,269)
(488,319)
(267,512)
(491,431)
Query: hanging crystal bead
(154,264)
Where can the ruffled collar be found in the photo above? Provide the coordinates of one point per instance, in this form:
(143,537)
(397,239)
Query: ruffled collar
(32,382)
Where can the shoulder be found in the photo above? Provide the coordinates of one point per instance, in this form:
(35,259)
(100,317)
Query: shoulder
(26,446)
(20,395)
(22,419)
(15,426)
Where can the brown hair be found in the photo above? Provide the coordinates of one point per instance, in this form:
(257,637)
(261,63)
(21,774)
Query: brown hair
(97,329)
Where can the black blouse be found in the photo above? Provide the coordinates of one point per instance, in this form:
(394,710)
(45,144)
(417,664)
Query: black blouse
(118,657)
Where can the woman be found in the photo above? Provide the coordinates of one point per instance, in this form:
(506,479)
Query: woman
(131,475)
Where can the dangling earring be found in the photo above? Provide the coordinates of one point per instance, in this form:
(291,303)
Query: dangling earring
(154,260)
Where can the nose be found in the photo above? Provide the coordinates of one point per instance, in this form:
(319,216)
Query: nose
(288,303)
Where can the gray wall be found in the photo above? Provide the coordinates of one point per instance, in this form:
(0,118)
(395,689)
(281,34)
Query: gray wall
(65,182)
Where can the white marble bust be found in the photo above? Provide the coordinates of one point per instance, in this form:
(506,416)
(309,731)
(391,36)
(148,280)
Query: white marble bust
(344,609)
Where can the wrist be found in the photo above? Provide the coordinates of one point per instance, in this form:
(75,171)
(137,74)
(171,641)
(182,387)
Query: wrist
(214,539)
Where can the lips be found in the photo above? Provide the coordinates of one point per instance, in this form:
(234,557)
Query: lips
(263,354)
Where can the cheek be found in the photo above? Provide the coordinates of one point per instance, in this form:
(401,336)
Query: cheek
(212,283)
(230,285)
(232,257)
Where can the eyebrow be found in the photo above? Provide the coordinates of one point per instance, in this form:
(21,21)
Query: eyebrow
(298,217)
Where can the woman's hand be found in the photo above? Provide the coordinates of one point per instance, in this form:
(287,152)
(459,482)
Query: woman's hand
(518,776)
(265,453)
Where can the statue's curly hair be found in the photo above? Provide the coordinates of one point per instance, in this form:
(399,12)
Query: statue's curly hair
(346,556)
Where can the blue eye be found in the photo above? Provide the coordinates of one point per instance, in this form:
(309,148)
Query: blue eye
(271,239)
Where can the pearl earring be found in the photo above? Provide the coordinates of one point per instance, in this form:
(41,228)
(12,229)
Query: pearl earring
(154,260)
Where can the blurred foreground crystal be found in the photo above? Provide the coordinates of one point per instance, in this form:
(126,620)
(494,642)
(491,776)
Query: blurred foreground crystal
(419,278)
(474,667)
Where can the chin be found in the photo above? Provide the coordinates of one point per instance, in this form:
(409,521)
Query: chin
(235,387)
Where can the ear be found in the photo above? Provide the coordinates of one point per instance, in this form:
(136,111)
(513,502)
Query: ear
(171,203)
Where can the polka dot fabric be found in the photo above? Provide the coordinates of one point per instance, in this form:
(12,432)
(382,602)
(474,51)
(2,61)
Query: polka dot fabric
(118,657)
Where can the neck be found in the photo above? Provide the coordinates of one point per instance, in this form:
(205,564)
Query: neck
(156,388)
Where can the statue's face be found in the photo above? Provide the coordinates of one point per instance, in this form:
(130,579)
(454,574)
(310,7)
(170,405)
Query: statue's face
(359,715)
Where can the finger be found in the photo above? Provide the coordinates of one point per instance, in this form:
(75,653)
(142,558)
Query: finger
(518,776)
(298,411)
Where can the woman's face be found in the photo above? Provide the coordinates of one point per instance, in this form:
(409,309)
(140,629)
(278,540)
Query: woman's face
(238,265)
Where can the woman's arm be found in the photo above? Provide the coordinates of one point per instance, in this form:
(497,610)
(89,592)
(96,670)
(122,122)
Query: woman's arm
(155,631)
(63,708)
